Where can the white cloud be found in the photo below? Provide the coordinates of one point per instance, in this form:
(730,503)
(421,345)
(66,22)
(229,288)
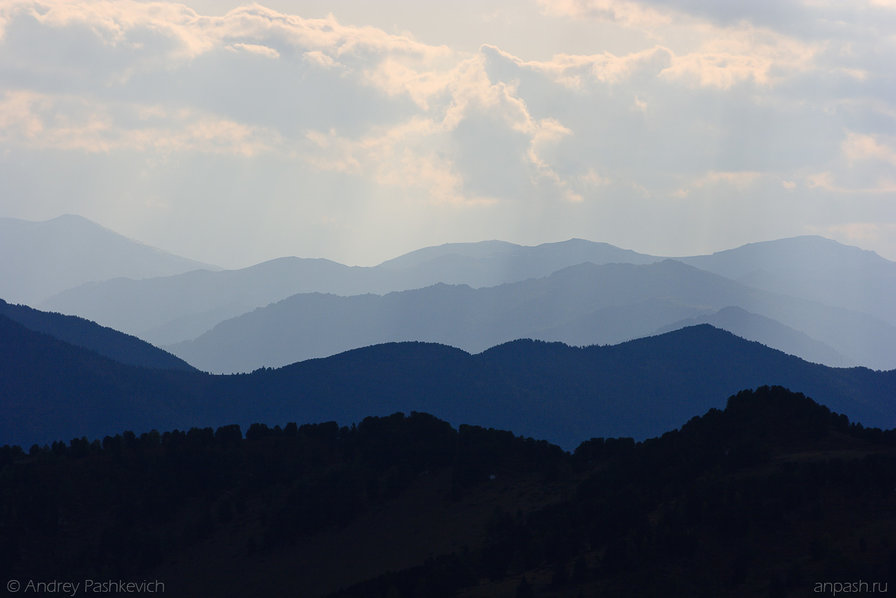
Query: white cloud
(738,57)
(318,58)
(396,157)
(701,51)
(719,180)
(41,121)
(827,181)
(258,49)
(624,12)
(684,100)
(858,147)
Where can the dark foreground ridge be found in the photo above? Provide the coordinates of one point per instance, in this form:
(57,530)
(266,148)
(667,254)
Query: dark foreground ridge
(769,497)
(52,390)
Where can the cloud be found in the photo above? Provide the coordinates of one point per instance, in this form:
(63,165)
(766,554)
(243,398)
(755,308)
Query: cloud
(40,121)
(716,179)
(827,181)
(402,157)
(478,145)
(881,235)
(625,105)
(575,71)
(258,49)
(629,14)
(318,58)
(742,56)
(707,43)
(857,147)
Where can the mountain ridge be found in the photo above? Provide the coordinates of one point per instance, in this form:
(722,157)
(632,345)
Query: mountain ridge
(811,267)
(146,308)
(51,389)
(175,309)
(45,258)
(769,332)
(409,505)
(104,341)
(584,304)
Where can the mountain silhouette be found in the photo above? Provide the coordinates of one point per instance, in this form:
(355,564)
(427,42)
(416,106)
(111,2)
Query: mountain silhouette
(41,259)
(84,333)
(822,273)
(171,309)
(580,305)
(811,267)
(52,390)
(764,496)
(768,332)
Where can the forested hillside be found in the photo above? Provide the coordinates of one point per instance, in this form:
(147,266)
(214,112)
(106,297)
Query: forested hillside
(764,498)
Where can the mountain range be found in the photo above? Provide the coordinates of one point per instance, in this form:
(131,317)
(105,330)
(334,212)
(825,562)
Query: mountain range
(51,389)
(584,304)
(809,296)
(814,268)
(119,460)
(170,309)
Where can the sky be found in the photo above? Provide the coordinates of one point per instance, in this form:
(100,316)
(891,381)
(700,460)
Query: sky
(356,130)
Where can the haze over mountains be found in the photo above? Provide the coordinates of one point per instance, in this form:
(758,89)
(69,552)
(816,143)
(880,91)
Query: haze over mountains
(766,331)
(579,305)
(172,309)
(130,455)
(83,333)
(810,296)
(813,268)
(41,259)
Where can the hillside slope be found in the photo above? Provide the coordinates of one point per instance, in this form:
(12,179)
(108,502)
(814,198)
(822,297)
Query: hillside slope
(772,496)
(811,267)
(51,390)
(584,304)
(171,309)
(104,341)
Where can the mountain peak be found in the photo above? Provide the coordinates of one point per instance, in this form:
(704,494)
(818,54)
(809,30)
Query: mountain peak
(71,250)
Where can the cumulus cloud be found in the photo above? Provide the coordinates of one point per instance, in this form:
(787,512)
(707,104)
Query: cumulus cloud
(857,147)
(41,121)
(260,50)
(318,58)
(676,101)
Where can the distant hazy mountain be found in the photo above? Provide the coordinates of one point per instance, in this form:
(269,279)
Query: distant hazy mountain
(768,332)
(491,263)
(40,259)
(172,309)
(579,305)
(185,305)
(813,268)
(50,389)
(107,342)
(176,308)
